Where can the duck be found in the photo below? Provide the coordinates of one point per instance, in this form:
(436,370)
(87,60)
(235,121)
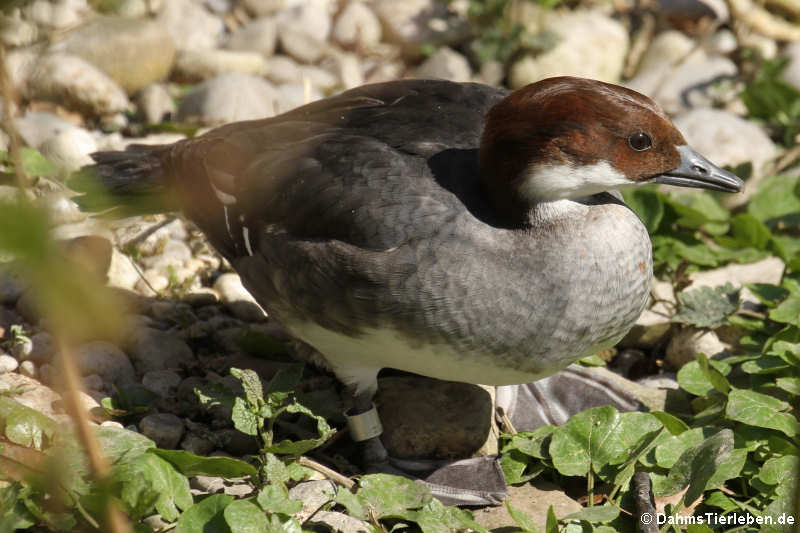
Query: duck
(452,230)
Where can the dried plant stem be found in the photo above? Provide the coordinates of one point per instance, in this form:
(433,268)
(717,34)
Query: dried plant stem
(346,482)
(762,21)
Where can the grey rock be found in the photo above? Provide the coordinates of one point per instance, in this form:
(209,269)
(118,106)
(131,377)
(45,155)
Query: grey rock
(42,348)
(162,382)
(446,64)
(678,87)
(30,393)
(414,23)
(589,44)
(339,522)
(152,349)
(357,27)
(69,149)
(240,302)
(76,84)
(424,418)
(661,381)
(228,98)
(165,429)
(300,44)
(320,78)
(239,490)
(201,297)
(106,360)
(349,70)
(7,363)
(313,494)
(237,443)
(727,139)
(93,382)
(204,64)
(283,69)
(197,444)
(28,368)
(534,499)
(28,306)
(292,95)
(155,103)
(190,25)
(132,52)
(47,374)
(11,287)
(768,270)
(259,35)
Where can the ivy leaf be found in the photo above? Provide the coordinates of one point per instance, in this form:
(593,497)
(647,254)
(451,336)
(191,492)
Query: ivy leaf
(761,410)
(707,307)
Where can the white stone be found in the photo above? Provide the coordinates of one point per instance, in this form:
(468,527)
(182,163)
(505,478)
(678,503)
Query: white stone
(303,31)
(264,7)
(668,47)
(155,103)
(72,82)
(191,26)
(412,24)
(357,27)
(61,209)
(727,139)
(446,64)
(56,14)
(70,149)
(152,283)
(792,72)
(17,32)
(688,342)
(28,368)
(292,95)
(203,64)
(591,45)
(121,272)
(229,98)
(7,363)
(283,69)
(259,35)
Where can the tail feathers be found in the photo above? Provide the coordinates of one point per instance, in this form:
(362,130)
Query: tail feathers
(125,183)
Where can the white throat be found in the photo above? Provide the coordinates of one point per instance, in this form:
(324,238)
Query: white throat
(546,183)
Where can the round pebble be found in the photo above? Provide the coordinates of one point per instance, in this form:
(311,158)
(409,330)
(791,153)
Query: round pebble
(7,363)
(28,368)
(164,428)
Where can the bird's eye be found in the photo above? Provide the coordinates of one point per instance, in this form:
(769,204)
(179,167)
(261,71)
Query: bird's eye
(640,141)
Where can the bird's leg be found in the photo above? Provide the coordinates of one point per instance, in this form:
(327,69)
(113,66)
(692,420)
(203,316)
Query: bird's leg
(365,429)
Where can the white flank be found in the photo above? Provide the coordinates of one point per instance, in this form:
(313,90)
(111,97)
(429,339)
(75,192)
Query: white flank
(357,360)
(545,183)
(246,237)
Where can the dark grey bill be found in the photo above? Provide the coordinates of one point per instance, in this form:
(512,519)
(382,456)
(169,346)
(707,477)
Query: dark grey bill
(697,171)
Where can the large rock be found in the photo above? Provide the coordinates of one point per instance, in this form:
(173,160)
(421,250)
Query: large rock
(105,360)
(357,27)
(132,52)
(727,139)
(590,45)
(228,98)
(425,418)
(534,499)
(259,35)
(446,64)
(413,24)
(303,31)
(190,25)
(76,84)
(206,63)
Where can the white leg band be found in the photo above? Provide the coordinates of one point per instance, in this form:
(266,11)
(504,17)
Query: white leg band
(364,426)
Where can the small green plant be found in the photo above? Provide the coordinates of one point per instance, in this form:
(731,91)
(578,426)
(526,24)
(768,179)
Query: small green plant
(774,101)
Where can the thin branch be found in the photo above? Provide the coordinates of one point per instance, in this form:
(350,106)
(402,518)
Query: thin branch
(329,473)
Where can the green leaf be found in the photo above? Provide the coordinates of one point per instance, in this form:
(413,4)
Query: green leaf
(243,516)
(300,447)
(775,198)
(207,515)
(392,496)
(789,384)
(190,464)
(14,514)
(596,437)
(788,311)
(286,379)
(674,425)
(597,513)
(275,469)
(714,376)
(551,526)
(768,294)
(646,203)
(760,410)
(243,417)
(518,467)
(748,230)
(275,499)
(35,164)
(532,443)
(692,379)
(707,307)
(436,518)
(668,452)
(352,503)
(522,519)
(148,482)
(251,384)
(697,465)
(23,425)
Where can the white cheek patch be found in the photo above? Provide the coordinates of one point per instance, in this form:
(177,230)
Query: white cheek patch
(545,183)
